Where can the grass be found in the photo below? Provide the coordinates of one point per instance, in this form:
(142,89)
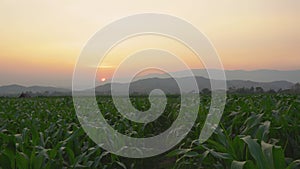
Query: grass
(256,132)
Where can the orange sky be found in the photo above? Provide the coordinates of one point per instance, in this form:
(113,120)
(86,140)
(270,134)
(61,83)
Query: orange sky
(40,40)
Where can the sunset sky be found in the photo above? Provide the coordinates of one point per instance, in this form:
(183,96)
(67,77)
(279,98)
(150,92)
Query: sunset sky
(41,40)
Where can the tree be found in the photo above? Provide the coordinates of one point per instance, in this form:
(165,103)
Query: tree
(296,88)
(205,91)
(252,89)
(259,90)
(25,95)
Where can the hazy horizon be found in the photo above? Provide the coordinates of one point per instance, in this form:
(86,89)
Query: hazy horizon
(269,75)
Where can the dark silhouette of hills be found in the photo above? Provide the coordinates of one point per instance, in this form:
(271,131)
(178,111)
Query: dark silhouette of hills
(145,84)
(169,85)
(262,75)
(16,90)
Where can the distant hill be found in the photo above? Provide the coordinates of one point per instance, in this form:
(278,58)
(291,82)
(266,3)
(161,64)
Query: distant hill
(15,90)
(144,86)
(263,75)
(169,85)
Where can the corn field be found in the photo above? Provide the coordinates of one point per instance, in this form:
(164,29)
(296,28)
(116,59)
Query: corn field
(257,131)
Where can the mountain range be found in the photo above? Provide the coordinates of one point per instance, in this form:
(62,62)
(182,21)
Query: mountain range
(15,90)
(262,75)
(169,85)
(146,84)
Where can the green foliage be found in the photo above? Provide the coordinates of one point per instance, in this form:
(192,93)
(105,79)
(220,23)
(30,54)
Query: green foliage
(256,132)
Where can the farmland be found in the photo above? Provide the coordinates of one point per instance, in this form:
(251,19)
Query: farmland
(257,131)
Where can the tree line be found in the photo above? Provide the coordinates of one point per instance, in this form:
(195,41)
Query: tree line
(258,90)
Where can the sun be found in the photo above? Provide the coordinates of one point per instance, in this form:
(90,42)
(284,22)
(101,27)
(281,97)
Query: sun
(103,79)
